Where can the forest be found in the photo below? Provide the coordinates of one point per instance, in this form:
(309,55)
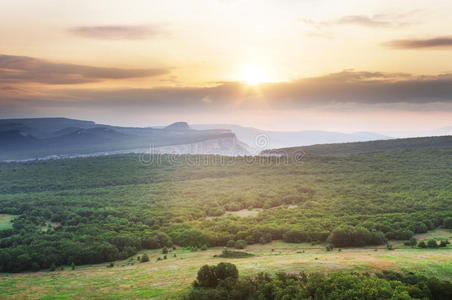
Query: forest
(100,209)
(223,282)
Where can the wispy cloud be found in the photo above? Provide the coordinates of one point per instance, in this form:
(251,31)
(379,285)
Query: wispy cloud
(23,69)
(118,32)
(438,42)
(348,88)
(382,20)
(325,28)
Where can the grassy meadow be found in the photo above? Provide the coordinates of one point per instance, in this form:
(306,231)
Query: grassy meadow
(171,278)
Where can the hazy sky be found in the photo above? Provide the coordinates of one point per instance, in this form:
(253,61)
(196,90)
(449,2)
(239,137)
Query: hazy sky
(351,65)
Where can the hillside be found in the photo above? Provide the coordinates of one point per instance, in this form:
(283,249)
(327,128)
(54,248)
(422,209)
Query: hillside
(367,147)
(40,138)
(266,139)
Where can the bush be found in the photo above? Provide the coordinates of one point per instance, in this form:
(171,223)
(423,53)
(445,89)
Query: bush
(349,236)
(444,243)
(240,244)
(206,277)
(203,248)
(448,223)
(329,247)
(230,244)
(389,246)
(412,242)
(296,236)
(432,243)
(165,250)
(52,267)
(211,276)
(422,244)
(144,258)
(399,235)
(234,254)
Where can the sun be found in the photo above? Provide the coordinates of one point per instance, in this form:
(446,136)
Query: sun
(253,75)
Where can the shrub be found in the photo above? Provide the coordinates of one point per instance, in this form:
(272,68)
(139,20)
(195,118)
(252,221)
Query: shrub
(444,243)
(399,234)
(233,254)
(448,223)
(206,277)
(203,248)
(240,244)
(329,247)
(296,236)
(230,244)
(210,276)
(144,258)
(346,236)
(422,244)
(420,228)
(412,242)
(432,243)
(389,246)
(165,250)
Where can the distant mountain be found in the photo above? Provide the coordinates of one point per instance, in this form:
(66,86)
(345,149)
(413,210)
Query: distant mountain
(13,139)
(38,138)
(42,127)
(259,139)
(367,147)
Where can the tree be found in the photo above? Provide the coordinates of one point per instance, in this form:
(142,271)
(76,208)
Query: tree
(296,236)
(346,236)
(240,244)
(432,243)
(226,270)
(444,243)
(448,223)
(206,277)
(144,258)
(211,276)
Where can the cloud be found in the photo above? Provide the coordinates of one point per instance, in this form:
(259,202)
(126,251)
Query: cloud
(349,89)
(23,69)
(372,21)
(438,42)
(118,32)
(367,88)
(324,28)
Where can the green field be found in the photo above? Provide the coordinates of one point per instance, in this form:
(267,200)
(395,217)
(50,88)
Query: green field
(5,221)
(168,279)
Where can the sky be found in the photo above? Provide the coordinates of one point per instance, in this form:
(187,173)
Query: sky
(376,65)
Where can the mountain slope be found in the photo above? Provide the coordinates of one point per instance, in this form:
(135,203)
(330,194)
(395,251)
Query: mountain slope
(38,138)
(264,139)
(367,147)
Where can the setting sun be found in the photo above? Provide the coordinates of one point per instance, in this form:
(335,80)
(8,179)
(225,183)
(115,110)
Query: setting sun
(253,75)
